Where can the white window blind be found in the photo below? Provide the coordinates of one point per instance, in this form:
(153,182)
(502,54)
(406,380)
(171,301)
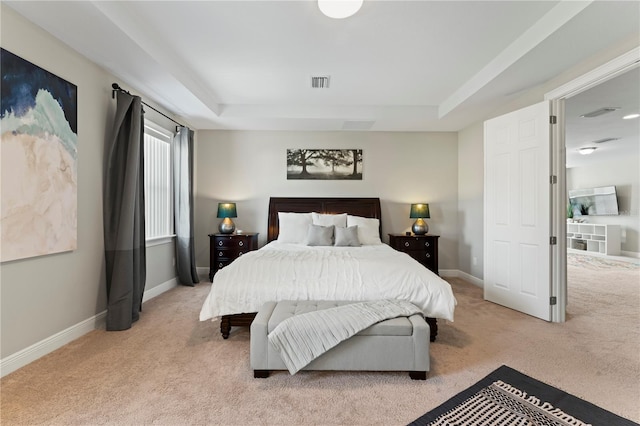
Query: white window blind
(157,182)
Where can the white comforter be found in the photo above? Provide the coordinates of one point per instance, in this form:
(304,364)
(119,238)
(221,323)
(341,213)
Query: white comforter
(295,272)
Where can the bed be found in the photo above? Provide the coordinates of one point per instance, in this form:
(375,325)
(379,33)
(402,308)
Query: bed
(286,269)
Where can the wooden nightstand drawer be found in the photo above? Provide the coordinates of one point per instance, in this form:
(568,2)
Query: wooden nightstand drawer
(423,248)
(232,241)
(421,256)
(413,243)
(230,253)
(222,263)
(225,248)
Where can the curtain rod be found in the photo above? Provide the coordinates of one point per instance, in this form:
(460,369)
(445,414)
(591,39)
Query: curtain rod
(115,87)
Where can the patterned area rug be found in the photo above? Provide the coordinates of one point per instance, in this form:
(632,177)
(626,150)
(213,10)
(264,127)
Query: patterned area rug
(508,397)
(598,262)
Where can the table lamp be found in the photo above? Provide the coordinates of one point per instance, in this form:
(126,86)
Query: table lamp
(418,212)
(227,211)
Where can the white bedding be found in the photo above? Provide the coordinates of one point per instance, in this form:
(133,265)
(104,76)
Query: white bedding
(281,271)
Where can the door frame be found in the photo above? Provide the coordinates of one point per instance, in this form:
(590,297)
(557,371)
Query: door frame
(557,97)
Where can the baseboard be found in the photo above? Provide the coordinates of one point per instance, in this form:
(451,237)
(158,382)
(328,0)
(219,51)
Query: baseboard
(159,289)
(203,272)
(470,278)
(21,358)
(634,254)
(448,272)
(455,273)
(50,344)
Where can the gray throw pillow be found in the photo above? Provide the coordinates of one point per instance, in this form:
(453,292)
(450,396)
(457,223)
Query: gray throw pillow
(320,235)
(347,236)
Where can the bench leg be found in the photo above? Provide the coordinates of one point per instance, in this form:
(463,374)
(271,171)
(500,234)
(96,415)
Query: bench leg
(418,375)
(260,374)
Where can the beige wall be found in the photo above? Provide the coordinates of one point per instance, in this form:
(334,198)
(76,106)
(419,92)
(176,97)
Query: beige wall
(43,296)
(248,167)
(470,200)
(626,178)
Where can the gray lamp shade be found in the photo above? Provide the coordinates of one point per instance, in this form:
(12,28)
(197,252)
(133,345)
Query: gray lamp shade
(227,210)
(419,211)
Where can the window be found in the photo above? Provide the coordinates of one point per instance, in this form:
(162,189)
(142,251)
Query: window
(158,182)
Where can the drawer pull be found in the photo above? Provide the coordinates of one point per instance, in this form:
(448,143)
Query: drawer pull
(220,265)
(426,244)
(428,254)
(220,254)
(239,253)
(240,243)
(406,243)
(220,243)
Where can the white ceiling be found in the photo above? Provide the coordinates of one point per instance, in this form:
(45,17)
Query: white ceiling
(394,66)
(621,92)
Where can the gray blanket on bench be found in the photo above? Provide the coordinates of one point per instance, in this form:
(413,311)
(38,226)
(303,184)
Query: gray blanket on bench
(302,338)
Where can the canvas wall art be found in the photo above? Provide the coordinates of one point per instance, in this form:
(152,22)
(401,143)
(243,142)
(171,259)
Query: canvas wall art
(38,147)
(326,164)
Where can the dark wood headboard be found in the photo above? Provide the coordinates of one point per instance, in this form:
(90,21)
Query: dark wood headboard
(365,207)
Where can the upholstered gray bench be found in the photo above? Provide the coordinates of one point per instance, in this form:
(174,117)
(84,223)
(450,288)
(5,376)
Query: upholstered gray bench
(399,344)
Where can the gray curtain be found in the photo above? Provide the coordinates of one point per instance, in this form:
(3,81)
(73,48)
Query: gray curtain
(183,206)
(123,210)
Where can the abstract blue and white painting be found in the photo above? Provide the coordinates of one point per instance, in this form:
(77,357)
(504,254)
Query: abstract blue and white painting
(39,147)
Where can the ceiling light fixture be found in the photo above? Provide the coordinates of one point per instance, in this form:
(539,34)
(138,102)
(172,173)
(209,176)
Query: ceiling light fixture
(603,140)
(630,116)
(587,150)
(598,112)
(339,9)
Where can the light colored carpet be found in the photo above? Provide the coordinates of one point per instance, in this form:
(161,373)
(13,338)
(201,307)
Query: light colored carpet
(171,369)
(585,261)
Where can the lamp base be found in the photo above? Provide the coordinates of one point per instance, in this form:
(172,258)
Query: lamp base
(420,227)
(226,226)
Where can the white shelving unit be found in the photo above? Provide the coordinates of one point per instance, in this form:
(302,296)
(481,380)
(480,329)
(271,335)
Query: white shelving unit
(594,238)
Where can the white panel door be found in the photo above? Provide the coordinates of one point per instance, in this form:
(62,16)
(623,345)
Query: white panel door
(517,194)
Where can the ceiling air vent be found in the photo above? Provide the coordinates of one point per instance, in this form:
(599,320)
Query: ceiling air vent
(320,82)
(606,140)
(598,112)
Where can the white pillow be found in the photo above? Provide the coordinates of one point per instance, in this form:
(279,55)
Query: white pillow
(337,220)
(368,229)
(293,227)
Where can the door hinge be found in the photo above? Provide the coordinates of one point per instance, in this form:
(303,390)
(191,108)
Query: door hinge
(553,300)
(553,119)
(554,179)
(553,241)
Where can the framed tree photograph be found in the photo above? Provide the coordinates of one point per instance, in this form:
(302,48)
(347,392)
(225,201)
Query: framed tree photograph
(324,164)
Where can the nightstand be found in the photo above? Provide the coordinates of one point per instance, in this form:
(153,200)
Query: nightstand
(423,248)
(225,248)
